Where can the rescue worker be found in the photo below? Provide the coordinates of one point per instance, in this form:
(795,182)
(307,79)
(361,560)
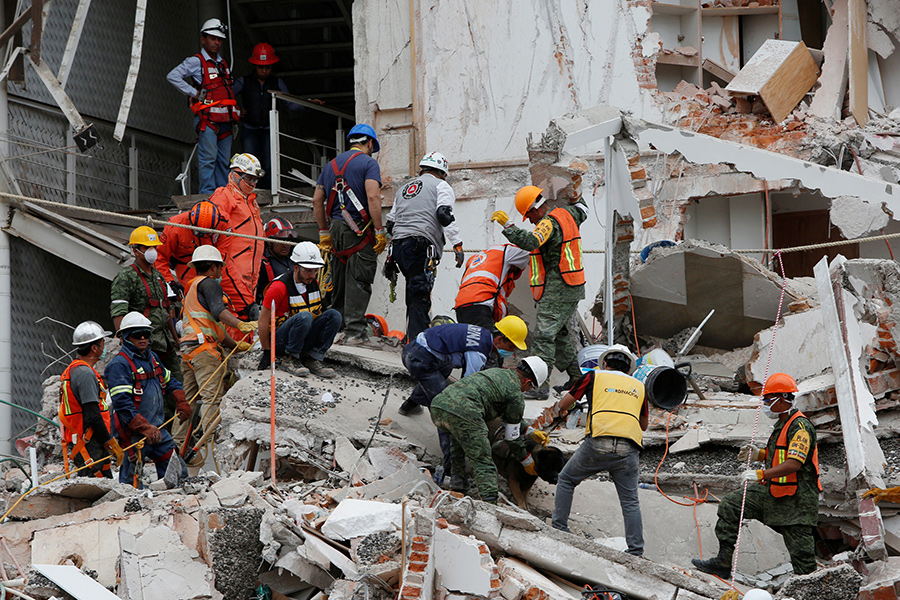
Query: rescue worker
(557,275)
(140,287)
(206,79)
(617,416)
(487,282)
(276,257)
(237,205)
(304,332)
(204,316)
(256,102)
(179,243)
(84,405)
(347,205)
(785,494)
(422,216)
(464,408)
(137,381)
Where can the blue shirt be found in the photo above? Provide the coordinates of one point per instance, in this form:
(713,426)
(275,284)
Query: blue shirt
(465,346)
(120,380)
(190,68)
(361,169)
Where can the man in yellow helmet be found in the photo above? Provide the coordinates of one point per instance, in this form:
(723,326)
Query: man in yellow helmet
(557,275)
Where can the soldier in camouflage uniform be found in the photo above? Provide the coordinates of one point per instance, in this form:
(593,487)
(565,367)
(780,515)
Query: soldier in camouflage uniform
(464,408)
(557,275)
(140,287)
(784,495)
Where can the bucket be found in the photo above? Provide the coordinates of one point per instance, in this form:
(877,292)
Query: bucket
(665,387)
(658,357)
(589,356)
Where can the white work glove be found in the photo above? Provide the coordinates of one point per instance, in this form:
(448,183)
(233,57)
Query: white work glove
(751,475)
(749,451)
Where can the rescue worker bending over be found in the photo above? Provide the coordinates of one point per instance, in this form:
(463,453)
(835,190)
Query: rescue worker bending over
(785,494)
(618,415)
(304,332)
(137,381)
(204,316)
(179,243)
(84,405)
(464,409)
(422,215)
(557,275)
(276,259)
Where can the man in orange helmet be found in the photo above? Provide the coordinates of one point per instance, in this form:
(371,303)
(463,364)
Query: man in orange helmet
(785,494)
(557,275)
(178,243)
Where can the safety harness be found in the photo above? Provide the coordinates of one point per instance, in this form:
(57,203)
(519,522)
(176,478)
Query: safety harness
(151,303)
(72,419)
(138,378)
(219,105)
(342,192)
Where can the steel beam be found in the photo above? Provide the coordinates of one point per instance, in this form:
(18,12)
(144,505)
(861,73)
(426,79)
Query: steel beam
(65,65)
(137,44)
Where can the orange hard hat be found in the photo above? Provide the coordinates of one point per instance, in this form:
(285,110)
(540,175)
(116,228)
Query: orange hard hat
(378,324)
(263,54)
(527,198)
(780,383)
(397,334)
(205,214)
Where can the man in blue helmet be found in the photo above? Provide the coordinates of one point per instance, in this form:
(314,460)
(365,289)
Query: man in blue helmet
(347,205)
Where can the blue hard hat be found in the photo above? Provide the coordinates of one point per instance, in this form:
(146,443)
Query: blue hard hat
(363,129)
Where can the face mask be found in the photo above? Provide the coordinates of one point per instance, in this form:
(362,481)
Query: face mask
(504,353)
(150,255)
(767,410)
(102,354)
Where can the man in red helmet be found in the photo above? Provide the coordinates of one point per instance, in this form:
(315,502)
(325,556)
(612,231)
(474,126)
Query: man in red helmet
(178,243)
(785,494)
(276,257)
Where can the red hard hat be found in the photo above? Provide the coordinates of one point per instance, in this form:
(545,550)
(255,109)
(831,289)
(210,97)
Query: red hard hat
(780,383)
(279,228)
(263,54)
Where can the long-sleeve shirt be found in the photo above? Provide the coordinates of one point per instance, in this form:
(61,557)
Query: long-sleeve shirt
(120,378)
(190,68)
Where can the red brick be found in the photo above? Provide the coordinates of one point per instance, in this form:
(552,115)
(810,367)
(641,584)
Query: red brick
(886,592)
(495,583)
(410,591)
(416,567)
(419,538)
(442,523)
(419,556)
(418,547)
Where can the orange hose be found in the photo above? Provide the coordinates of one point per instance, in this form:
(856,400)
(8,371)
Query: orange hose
(272,389)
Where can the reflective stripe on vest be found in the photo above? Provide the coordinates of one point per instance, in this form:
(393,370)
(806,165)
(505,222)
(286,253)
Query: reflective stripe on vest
(219,96)
(311,302)
(70,412)
(198,319)
(138,375)
(615,408)
(571,266)
(787,485)
(481,279)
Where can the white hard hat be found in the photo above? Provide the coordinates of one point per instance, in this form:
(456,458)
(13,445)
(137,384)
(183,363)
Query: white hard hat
(757,594)
(538,368)
(620,349)
(307,255)
(435,160)
(134,320)
(215,27)
(87,332)
(248,164)
(206,253)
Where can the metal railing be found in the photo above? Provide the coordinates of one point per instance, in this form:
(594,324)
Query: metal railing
(287,167)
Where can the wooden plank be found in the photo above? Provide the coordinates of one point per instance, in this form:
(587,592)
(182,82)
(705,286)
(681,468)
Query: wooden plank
(678,60)
(717,70)
(787,86)
(829,98)
(665,8)
(859,61)
(730,11)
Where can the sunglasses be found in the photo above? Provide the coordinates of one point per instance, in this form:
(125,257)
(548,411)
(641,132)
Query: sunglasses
(141,334)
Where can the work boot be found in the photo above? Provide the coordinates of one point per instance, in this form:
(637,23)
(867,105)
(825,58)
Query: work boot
(361,342)
(457,484)
(490,499)
(717,565)
(574,373)
(317,367)
(409,408)
(293,366)
(541,393)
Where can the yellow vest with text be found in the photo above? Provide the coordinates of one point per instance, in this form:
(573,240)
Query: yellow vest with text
(615,408)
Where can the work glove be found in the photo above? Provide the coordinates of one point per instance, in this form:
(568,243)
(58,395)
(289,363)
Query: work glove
(749,451)
(177,288)
(460,257)
(243,346)
(142,426)
(888,495)
(500,216)
(541,437)
(182,408)
(265,361)
(252,312)
(324,240)
(247,326)
(752,475)
(380,240)
(115,450)
(731,595)
(528,464)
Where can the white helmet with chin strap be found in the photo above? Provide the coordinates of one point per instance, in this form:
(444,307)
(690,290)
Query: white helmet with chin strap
(435,160)
(247,164)
(538,369)
(214,27)
(307,255)
(87,332)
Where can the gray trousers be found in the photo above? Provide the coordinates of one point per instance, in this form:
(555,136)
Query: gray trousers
(352,280)
(618,457)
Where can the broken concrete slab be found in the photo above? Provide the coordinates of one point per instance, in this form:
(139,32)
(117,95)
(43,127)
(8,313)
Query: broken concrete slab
(349,459)
(458,561)
(799,339)
(306,570)
(370,359)
(534,583)
(156,564)
(395,486)
(74,582)
(229,541)
(831,583)
(232,492)
(355,518)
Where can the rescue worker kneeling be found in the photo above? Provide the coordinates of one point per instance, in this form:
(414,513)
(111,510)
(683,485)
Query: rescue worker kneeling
(84,405)
(137,381)
(303,331)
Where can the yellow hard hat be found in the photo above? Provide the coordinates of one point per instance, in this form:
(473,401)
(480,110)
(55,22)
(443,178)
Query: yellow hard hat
(144,236)
(514,329)
(527,198)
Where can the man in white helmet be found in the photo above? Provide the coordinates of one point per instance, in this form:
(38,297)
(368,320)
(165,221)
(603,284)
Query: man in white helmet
(617,417)
(304,332)
(206,79)
(421,218)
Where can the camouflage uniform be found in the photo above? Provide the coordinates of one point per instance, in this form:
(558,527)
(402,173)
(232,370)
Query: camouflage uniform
(794,517)
(129,294)
(560,300)
(464,409)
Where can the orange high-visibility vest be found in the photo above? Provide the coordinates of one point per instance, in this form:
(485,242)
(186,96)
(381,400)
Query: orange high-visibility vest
(200,325)
(571,266)
(72,419)
(787,485)
(481,281)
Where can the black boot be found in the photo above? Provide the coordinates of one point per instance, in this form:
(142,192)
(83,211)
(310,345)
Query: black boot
(409,408)
(718,565)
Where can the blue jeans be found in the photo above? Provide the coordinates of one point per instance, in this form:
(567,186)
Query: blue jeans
(255,141)
(305,335)
(618,457)
(213,157)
